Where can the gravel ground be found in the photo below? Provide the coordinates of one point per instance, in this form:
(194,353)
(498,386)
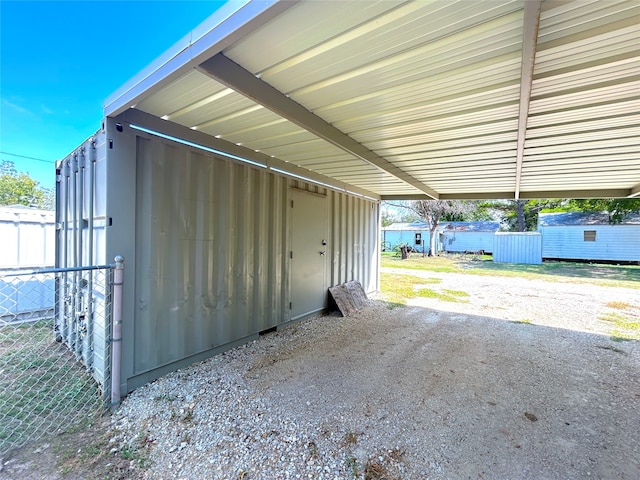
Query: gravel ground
(434,390)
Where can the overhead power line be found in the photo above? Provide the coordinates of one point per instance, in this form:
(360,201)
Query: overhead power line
(29,158)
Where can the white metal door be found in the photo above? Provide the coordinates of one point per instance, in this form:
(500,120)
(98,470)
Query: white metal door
(308,253)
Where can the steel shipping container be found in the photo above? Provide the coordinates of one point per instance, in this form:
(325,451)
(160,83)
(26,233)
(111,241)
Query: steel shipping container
(217,249)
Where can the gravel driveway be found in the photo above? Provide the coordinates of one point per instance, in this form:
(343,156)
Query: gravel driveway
(433,390)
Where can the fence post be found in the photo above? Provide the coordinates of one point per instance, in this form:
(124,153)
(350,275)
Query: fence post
(116,336)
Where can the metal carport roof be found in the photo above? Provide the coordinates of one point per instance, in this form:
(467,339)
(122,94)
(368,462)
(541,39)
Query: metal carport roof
(430,99)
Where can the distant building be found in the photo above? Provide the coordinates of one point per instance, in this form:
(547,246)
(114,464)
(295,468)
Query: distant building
(589,236)
(28,238)
(28,243)
(405,234)
(450,236)
(466,236)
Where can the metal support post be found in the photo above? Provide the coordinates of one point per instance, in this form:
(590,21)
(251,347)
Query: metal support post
(116,336)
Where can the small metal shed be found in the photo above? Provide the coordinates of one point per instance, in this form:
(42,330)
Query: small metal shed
(518,247)
(589,236)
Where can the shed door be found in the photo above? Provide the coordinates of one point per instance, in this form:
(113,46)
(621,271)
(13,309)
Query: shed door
(308,253)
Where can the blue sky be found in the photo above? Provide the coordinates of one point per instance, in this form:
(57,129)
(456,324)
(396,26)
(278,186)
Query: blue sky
(59,60)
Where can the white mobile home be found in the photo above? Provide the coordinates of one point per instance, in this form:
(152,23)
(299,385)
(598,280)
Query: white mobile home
(451,237)
(457,237)
(589,236)
(240,174)
(414,234)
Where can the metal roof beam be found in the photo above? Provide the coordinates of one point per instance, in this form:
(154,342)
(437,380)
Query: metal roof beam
(229,73)
(604,193)
(532,10)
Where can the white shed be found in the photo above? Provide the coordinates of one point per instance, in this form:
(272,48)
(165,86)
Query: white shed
(518,247)
(589,236)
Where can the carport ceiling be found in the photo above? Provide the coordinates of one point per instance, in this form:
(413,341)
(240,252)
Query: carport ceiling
(429,99)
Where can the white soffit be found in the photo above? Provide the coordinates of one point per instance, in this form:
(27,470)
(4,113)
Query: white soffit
(433,94)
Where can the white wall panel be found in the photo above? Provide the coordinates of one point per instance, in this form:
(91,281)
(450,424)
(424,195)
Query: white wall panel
(612,242)
(516,247)
(28,238)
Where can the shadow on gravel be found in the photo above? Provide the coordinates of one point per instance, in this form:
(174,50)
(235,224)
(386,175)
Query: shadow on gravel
(401,393)
(466,396)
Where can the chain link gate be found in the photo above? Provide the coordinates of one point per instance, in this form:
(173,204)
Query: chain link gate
(55,350)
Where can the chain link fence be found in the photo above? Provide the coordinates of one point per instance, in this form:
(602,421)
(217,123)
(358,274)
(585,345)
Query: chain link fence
(54,351)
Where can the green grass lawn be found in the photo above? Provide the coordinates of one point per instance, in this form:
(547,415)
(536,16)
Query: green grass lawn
(43,389)
(397,288)
(627,276)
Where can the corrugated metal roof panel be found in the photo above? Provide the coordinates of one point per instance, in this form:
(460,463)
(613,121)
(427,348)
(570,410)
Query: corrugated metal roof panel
(179,93)
(358,35)
(430,88)
(559,219)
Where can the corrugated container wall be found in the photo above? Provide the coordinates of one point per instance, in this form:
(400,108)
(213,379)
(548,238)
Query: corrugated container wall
(208,246)
(516,247)
(81,221)
(591,242)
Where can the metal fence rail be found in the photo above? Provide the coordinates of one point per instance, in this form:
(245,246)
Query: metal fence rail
(54,350)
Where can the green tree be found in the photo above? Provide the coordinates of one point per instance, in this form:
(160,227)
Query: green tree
(18,188)
(386,218)
(522,215)
(435,211)
(617,208)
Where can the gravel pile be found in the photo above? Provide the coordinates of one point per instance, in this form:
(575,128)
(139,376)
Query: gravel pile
(405,393)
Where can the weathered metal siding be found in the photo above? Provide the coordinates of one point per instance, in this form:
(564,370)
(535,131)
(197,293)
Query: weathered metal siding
(467,241)
(613,242)
(512,247)
(28,238)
